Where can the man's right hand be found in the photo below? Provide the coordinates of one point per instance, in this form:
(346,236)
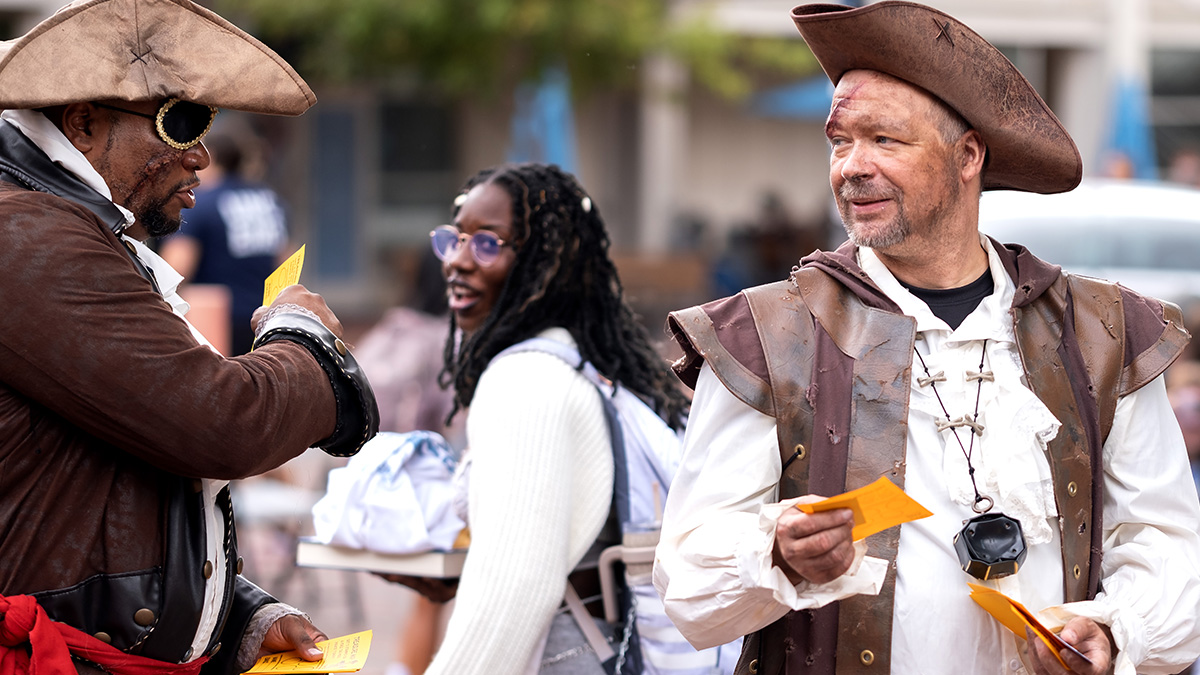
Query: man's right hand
(299,295)
(817,547)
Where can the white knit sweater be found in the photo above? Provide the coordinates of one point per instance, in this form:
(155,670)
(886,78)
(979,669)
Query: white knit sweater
(540,489)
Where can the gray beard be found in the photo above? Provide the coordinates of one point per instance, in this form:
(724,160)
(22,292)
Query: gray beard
(895,233)
(899,229)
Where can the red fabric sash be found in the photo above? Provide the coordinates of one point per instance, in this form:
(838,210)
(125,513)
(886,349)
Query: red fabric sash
(32,644)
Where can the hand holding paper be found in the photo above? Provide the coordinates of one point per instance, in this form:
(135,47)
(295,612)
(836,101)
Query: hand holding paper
(813,547)
(1019,620)
(1091,650)
(342,655)
(282,288)
(876,507)
(817,544)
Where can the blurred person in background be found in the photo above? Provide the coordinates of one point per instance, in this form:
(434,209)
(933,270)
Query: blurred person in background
(1117,164)
(1183,391)
(402,354)
(235,236)
(527,256)
(762,250)
(1184,168)
(120,427)
(1024,407)
(1185,402)
(780,238)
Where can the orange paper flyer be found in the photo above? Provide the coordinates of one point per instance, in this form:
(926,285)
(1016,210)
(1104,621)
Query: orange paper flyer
(876,507)
(1016,618)
(346,654)
(287,274)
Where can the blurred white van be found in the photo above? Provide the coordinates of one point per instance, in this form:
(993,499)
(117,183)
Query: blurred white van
(1142,234)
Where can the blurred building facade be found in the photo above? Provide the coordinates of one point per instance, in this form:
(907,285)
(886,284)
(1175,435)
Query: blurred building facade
(371,169)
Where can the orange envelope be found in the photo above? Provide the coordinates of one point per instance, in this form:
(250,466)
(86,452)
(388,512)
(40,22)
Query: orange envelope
(876,507)
(1016,618)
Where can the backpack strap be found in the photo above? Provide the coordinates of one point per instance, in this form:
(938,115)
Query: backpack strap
(583,619)
(619,513)
(574,359)
(544,345)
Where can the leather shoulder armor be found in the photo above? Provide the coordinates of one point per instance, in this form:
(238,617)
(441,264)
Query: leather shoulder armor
(723,334)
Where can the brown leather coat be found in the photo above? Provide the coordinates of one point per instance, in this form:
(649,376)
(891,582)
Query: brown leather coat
(108,411)
(828,351)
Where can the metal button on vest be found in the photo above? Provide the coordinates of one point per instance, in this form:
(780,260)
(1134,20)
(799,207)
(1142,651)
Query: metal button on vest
(213,652)
(754,667)
(867,657)
(240,564)
(208,569)
(340,346)
(143,617)
(103,637)
(188,654)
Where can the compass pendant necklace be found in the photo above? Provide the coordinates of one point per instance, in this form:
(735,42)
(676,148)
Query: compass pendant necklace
(990,545)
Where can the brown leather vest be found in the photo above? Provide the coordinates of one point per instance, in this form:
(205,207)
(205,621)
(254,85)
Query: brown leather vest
(835,373)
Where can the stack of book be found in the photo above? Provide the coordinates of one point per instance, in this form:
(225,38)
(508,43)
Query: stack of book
(437,564)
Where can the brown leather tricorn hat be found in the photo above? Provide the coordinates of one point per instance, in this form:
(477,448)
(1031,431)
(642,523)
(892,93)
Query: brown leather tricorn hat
(1028,148)
(142,50)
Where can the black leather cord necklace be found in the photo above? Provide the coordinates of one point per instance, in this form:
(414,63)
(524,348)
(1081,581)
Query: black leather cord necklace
(990,545)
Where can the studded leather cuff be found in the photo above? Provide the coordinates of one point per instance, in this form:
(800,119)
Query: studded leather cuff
(357,412)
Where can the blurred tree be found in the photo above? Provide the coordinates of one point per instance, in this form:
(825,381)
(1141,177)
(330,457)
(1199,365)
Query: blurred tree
(483,47)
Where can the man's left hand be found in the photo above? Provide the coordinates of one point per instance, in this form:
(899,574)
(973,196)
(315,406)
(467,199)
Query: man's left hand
(293,632)
(1089,637)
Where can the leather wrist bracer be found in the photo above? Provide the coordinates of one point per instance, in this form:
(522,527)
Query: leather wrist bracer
(357,412)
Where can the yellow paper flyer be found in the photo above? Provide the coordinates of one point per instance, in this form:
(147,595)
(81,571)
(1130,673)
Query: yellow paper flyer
(342,655)
(876,507)
(287,274)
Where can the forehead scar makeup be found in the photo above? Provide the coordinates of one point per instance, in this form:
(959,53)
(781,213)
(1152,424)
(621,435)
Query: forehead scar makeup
(836,113)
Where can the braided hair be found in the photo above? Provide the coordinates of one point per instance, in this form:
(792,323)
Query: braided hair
(562,276)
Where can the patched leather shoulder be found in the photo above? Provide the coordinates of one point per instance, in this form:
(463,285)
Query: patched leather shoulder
(1154,338)
(724,334)
(1127,339)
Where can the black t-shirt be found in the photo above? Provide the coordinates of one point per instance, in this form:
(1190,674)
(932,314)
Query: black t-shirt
(952,305)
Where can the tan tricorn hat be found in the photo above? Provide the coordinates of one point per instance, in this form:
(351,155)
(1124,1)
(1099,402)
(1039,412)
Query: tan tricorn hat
(145,50)
(1028,148)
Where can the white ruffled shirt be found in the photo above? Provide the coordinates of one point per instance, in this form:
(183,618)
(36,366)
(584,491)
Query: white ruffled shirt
(714,565)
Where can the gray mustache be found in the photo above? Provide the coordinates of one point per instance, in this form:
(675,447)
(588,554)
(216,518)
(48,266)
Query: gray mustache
(865,192)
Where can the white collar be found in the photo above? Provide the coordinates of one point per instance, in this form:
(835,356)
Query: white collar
(165,276)
(42,133)
(977,326)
